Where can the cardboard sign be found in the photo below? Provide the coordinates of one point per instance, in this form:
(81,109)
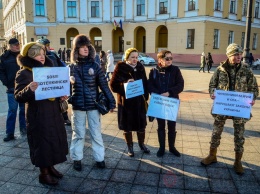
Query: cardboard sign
(133,89)
(232,103)
(52,82)
(163,107)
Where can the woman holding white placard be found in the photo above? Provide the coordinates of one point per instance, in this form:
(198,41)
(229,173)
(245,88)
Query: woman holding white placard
(131,111)
(166,79)
(46,133)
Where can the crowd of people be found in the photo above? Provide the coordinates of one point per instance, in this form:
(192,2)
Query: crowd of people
(43,121)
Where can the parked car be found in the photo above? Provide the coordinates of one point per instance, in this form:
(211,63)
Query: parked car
(256,64)
(144,59)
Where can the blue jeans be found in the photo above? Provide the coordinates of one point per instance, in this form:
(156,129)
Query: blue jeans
(12,111)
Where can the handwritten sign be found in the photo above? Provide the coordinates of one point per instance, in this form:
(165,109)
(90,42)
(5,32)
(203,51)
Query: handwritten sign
(163,107)
(52,82)
(232,103)
(133,89)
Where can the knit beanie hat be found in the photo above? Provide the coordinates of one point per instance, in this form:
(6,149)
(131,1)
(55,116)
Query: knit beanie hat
(26,47)
(233,49)
(128,52)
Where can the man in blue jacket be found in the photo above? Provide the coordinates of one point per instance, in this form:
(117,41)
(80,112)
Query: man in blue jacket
(8,69)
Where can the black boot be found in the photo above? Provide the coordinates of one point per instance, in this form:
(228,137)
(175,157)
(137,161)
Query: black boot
(9,137)
(129,140)
(54,172)
(46,178)
(161,138)
(141,137)
(171,141)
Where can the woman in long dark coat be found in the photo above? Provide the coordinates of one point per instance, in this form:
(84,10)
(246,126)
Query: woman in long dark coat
(131,111)
(46,133)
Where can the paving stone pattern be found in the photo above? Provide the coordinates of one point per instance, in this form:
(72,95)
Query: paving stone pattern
(146,173)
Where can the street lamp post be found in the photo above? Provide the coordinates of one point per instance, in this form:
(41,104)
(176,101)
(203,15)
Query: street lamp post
(246,54)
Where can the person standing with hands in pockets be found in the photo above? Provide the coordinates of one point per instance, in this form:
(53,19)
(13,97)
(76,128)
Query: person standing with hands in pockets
(166,80)
(131,112)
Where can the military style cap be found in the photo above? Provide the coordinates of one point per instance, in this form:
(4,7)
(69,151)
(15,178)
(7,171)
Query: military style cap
(233,49)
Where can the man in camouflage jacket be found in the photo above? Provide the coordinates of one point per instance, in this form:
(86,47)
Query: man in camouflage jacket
(231,75)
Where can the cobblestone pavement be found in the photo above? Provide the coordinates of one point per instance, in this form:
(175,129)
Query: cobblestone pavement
(146,173)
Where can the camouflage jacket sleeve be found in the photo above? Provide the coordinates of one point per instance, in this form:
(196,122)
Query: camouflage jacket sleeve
(214,82)
(252,85)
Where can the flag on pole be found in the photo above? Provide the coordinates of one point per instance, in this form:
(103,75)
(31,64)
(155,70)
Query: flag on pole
(121,24)
(115,25)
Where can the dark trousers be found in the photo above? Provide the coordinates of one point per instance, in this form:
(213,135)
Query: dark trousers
(161,125)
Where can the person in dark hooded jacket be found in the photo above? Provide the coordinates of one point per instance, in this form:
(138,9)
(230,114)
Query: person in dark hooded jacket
(86,79)
(46,133)
(131,111)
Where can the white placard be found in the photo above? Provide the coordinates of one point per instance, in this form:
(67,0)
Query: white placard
(163,107)
(232,103)
(133,89)
(52,82)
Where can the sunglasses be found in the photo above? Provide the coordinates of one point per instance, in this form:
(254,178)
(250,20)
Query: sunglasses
(168,58)
(47,45)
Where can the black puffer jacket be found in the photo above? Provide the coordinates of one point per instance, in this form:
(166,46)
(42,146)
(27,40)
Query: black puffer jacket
(89,77)
(8,69)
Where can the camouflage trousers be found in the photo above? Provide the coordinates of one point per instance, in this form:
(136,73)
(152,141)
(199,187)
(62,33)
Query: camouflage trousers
(239,129)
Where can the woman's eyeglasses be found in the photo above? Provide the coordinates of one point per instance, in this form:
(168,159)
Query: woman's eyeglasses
(168,58)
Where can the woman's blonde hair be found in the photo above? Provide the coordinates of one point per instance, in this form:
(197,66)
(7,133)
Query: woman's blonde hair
(35,50)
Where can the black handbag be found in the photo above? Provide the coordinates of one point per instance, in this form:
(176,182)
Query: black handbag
(102,103)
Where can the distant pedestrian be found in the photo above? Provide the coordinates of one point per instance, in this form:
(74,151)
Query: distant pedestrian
(110,64)
(63,55)
(251,59)
(68,51)
(8,70)
(209,61)
(202,62)
(59,52)
(46,134)
(231,75)
(103,60)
